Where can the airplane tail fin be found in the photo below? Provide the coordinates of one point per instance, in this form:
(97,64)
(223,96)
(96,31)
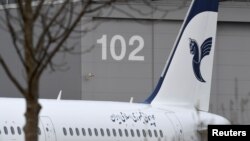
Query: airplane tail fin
(187,75)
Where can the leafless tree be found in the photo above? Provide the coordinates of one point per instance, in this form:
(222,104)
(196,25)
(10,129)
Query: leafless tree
(38,30)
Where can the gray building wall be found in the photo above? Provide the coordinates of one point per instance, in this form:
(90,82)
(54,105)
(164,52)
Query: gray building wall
(122,79)
(111,74)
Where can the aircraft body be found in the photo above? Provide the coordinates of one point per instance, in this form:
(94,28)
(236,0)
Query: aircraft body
(103,121)
(177,110)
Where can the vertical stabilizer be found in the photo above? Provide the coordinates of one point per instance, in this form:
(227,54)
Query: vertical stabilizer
(186,78)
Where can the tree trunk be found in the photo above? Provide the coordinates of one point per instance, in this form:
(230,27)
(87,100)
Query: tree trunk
(32,112)
(31,93)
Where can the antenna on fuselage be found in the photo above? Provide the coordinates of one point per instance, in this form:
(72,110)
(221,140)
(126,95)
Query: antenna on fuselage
(131,100)
(59,95)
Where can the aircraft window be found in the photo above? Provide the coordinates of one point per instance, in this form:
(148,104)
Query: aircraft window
(126,132)
(161,134)
(156,135)
(39,131)
(96,132)
(138,132)
(5,130)
(83,132)
(120,132)
(114,132)
(64,131)
(149,133)
(19,130)
(132,132)
(71,131)
(108,132)
(144,133)
(102,132)
(12,130)
(90,132)
(77,132)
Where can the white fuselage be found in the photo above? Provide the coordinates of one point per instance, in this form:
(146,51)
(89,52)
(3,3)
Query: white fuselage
(66,120)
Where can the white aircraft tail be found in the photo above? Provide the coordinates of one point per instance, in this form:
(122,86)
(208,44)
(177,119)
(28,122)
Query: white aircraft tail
(186,78)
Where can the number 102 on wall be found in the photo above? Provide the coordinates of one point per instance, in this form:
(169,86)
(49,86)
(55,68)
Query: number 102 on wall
(118,47)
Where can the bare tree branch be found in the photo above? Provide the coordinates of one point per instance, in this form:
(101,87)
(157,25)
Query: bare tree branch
(38,9)
(36,47)
(99,7)
(14,37)
(66,34)
(53,19)
(11,76)
(28,32)
(21,8)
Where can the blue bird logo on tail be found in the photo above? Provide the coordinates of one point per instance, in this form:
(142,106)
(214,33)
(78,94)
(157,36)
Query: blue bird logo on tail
(199,55)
